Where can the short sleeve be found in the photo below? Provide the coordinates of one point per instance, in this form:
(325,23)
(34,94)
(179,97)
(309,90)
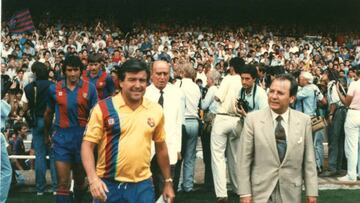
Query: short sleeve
(95,128)
(159,133)
(351,90)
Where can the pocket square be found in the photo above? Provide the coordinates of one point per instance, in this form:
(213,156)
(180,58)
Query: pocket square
(300,140)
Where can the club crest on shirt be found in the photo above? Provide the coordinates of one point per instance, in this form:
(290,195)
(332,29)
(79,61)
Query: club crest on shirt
(111,121)
(60,93)
(151,122)
(85,95)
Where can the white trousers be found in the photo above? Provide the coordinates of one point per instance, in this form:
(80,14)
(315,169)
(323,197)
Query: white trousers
(352,142)
(224,139)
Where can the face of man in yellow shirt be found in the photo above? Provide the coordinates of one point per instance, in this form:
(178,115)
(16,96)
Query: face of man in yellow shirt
(133,86)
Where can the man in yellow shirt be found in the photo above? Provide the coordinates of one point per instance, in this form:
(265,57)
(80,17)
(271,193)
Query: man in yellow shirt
(122,127)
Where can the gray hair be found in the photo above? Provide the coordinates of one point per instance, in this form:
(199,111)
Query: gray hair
(308,76)
(215,76)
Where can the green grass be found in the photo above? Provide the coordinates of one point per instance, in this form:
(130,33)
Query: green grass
(326,196)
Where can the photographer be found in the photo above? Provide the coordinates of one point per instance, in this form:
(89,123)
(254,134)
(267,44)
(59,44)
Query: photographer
(252,97)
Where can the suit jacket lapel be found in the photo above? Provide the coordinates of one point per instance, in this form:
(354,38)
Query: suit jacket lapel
(268,131)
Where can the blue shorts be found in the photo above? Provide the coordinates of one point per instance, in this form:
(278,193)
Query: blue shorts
(141,192)
(67,144)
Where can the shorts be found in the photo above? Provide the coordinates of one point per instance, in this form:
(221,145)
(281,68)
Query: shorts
(140,192)
(67,144)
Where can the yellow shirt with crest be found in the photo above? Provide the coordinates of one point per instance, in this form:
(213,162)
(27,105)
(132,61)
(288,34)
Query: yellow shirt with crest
(124,137)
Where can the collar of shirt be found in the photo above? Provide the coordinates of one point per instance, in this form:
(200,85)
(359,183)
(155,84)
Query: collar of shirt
(96,76)
(284,122)
(251,92)
(285,116)
(79,84)
(187,80)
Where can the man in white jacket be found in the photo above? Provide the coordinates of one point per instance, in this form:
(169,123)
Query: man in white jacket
(169,97)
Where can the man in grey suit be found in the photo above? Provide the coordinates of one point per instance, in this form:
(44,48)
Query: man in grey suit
(276,153)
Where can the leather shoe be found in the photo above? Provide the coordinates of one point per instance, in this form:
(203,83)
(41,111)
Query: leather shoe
(222,200)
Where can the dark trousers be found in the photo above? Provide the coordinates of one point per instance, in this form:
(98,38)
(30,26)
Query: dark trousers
(158,179)
(205,142)
(336,135)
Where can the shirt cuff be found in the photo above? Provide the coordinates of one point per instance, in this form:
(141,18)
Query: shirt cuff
(247,195)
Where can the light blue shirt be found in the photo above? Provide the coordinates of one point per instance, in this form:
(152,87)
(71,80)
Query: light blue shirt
(308,95)
(261,99)
(209,103)
(5,110)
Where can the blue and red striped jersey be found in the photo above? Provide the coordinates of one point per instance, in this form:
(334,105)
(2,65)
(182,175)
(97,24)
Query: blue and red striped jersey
(103,82)
(72,107)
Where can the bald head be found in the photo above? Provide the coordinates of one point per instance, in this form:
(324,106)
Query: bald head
(160,74)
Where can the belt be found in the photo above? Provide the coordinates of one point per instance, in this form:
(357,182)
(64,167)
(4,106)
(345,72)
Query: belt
(228,114)
(191,118)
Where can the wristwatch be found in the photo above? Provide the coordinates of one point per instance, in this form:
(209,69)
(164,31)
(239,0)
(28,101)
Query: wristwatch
(168,180)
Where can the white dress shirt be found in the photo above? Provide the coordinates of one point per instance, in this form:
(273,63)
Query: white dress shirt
(192,97)
(284,122)
(173,114)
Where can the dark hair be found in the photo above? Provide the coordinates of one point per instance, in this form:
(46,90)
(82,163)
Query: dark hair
(291,79)
(94,58)
(18,126)
(275,70)
(133,66)
(332,74)
(40,70)
(73,61)
(237,63)
(250,69)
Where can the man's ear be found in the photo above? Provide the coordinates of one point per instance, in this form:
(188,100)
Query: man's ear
(292,99)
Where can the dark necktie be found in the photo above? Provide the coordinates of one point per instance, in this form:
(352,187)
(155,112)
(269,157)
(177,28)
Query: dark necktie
(280,138)
(279,130)
(161,98)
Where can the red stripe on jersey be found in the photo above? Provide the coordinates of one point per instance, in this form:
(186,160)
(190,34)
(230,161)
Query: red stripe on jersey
(82,101)
(100,84)
(61,99)
(106,114)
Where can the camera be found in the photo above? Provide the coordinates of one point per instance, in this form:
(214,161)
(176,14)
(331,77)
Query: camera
(244,104)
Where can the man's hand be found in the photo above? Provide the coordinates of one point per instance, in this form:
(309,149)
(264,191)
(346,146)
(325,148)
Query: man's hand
(311,199)
(168,192)
(98,189)
(241,111)
(247,199)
